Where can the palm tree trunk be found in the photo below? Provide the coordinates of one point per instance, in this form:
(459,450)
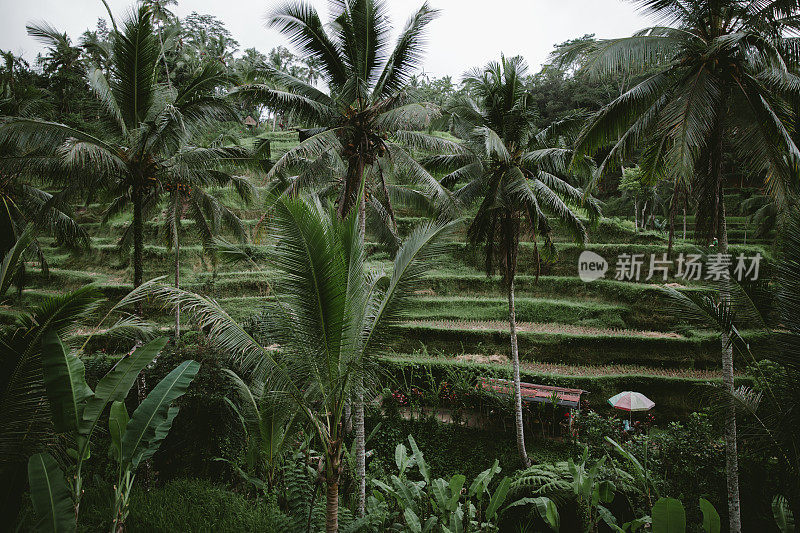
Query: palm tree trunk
(723,224)
(731,451)
(358,414)
(355,173)
(332,508)
(672,219)
(164,57)
(176,242)
(684,219)
(731,444)
(348,418)
(512,323)
(333,460)
(362,214)
(361,457)
(138,245)
(138,266)
(644,216)
(636,213)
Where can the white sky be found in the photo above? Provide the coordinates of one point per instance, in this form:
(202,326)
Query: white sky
(468,32)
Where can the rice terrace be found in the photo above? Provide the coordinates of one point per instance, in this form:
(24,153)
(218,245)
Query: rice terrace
(366,266)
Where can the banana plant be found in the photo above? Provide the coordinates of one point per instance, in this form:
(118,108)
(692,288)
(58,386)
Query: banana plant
(439,505)
(637,470)
(581,482)
(135,439)
(76,411)
(668,516)
(567,481)
(52,500)
(590,489)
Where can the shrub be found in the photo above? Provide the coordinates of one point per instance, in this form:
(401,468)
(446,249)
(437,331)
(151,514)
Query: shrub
(205,427)
(196,505)
(451,449)
(684,460)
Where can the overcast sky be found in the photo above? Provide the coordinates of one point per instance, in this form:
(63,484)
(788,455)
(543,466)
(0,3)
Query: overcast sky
(468,32)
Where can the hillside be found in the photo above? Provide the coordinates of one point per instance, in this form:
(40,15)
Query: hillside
(604,336)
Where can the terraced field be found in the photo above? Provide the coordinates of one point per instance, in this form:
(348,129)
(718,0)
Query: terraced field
(599,336)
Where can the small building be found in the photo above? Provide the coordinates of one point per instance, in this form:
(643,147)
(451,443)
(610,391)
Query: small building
(569,398)
(250,121)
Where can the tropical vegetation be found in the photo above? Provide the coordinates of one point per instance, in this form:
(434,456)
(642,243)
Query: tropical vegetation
(318,288)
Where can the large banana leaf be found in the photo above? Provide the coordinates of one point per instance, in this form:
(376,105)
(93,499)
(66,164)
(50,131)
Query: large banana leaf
(711,521)
(65,382)
(51,498)
(117,422)
(669,516)
(498,498)
(152,419)
(114,386)
(13,261)
(161,433)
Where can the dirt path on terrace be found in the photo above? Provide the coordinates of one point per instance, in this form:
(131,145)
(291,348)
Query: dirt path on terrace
(534,327)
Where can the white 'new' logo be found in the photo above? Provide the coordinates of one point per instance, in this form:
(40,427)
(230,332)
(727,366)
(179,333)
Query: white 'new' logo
(591,266)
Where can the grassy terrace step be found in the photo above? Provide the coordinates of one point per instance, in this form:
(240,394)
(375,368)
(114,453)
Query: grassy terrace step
(153,229)
(453,283)
(736,219)
(606,303)
(566,262)
(608,230)
(675,394)
(557,343)
(527,309)
(107,258)
(243,307)
(106,252)
(574,298)
(644,302)
(63,278)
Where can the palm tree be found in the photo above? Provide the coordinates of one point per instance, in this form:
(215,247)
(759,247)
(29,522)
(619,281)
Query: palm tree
(25,202)
(772,404)
(720,72)
(518,177)
(330,318)
(366,115)
(18,94)
(162,16)
(63,64)
(187,195)
(764,214)
(145,135)
(362,122)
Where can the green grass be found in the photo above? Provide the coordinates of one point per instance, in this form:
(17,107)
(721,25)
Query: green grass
(185,505)
(566,260)
(453,297)
(527,309)
(701,350)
